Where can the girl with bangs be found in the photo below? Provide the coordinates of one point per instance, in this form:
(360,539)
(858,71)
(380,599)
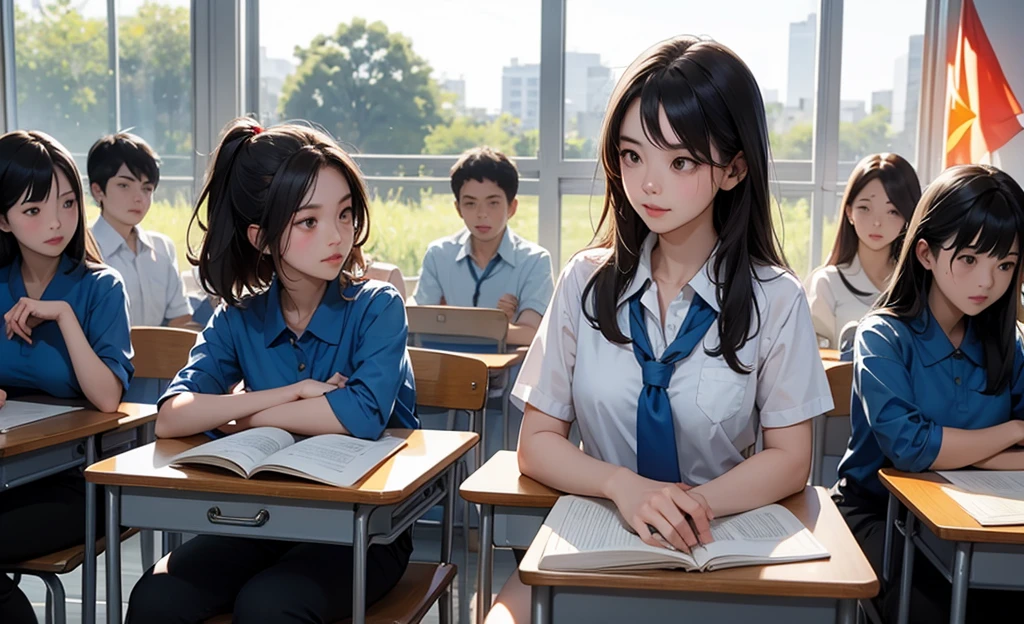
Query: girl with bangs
(681,334)
(939,369)
(319,352)
(66,334)
(879,200)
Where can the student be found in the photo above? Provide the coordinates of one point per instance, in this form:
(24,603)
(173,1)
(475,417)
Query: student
(689,259)
(938,378)
(879,199)
(486,265)
(320,352)
(65,334)
(123,174)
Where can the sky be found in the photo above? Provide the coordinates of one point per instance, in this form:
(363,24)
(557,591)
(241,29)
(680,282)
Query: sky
(473,40)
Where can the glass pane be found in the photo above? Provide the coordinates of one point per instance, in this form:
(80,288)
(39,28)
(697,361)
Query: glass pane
(580,216)
(775,39)
(384,78)
(880,89)
(62,71)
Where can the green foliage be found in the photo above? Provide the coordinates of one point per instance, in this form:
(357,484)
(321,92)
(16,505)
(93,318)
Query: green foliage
(464,133)
(366,86)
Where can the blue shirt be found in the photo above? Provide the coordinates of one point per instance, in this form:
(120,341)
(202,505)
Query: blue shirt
(524,271)
(96,296)
(908,383)
(360,333)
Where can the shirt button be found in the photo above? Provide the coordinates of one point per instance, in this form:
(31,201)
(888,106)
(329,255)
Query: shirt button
(671,327)
(957,381)
(292,340)
(302,367)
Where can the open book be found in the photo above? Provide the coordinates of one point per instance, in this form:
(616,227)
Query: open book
(992,497)
(589,534)
(333,459)
(16,414)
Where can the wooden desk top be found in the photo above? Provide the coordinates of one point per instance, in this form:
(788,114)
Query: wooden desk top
(498,361)
(846,575)
(73,426)
(829,354)
(426,454)
(498,482)
(922,494)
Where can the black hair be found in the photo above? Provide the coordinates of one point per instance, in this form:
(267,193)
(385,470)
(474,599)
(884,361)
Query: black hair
(260,177)
(967,206)
(108,154)
(29,162)
(710,98)
(484,163)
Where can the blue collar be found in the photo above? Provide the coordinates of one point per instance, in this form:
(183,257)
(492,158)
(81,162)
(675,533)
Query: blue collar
(937,346)
(326,322)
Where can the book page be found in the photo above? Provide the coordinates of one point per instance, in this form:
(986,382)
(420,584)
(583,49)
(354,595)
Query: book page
(768,533)
(1003,483)
(332,458)
(245,449)
(585,525)
(19,413)
(987,509)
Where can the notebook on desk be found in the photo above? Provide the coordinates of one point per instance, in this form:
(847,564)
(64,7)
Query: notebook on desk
(992,497)
(589,535)
(16,414)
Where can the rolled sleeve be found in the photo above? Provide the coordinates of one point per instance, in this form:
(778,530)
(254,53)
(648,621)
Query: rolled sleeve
(108,329)
(428,288)
(791,384)
(177,303)
(882,381)
(213,366)
(365,404)
(545,380)
(538,286)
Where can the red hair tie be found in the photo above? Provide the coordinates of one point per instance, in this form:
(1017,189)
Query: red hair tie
(257,129)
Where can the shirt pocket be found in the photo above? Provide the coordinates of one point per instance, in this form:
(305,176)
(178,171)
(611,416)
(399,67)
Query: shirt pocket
(720,394)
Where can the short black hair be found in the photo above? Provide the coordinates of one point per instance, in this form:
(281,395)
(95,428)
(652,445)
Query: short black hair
(108,154)
(484,163)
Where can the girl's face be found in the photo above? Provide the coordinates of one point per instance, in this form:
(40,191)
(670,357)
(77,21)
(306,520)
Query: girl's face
(668,189)
(973,281)
(45,227)
(875,219)
(319,239)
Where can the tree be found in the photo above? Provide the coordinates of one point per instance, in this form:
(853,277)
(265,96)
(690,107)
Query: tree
(366,86)
(463,133)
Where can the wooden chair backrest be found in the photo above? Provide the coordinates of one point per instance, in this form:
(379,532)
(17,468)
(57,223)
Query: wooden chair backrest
(160,352)
(449,380)
(840,382)
(485,323)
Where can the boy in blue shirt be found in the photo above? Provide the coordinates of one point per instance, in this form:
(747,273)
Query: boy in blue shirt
(123,174)
(486,265)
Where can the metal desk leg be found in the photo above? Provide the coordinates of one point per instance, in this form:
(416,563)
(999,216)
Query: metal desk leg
(171,540)
(147,434)
(961,579)
(891,513)
(540,598)
(847,612)
(485,571)
(360,544)
(446,606)
(506,393)
(907,576)
(113,555)
(89,565)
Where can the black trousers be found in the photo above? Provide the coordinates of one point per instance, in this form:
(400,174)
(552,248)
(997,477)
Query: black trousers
(262,581)
(930,593)
(37,519)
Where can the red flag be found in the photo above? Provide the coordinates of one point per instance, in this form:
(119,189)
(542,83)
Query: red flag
(982,108)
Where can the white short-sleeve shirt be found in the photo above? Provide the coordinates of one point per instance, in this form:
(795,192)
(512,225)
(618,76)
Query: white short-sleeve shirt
(573,373)
(833,304)
(156,292)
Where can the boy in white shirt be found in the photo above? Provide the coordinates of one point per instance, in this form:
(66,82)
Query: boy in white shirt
(123,174)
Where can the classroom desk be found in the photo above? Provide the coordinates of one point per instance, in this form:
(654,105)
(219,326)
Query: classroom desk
(62,442)
(144,491)
(512,510)
(830,355)
(795,593)
(967,554)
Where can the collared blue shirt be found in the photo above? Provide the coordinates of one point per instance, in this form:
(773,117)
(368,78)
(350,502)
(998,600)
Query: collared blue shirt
(360,333)
(908,383)
(524,271)
(96,296)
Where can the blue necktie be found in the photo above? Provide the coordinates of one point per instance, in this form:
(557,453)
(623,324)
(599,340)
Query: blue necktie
(656,455)
(479,279)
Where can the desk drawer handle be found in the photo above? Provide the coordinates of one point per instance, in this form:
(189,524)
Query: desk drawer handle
(261,517)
